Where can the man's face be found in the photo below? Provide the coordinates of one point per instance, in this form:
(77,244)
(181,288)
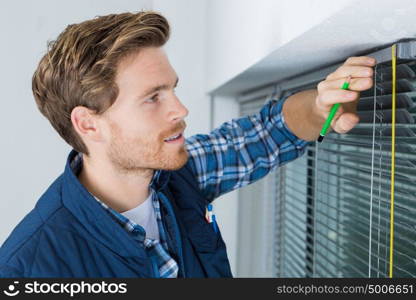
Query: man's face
(142,118)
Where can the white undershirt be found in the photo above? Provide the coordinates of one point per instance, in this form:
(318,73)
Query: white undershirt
(144,215)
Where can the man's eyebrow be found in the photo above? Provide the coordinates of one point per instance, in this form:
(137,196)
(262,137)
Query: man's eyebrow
(158,88)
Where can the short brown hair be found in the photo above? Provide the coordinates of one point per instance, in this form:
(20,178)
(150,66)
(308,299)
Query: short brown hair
(80,66)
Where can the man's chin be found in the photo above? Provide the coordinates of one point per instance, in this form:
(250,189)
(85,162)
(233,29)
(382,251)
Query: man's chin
(178,162)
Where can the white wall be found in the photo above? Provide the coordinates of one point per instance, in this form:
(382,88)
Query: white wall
(242,32)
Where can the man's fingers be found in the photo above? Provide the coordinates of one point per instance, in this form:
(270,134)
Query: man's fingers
(345,122)
(329,97)
(330,92)
(356,84)
(361,61)
(350,107)
(354,71)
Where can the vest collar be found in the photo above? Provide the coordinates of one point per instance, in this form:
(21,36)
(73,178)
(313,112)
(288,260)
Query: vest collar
(159,180)
(93,216)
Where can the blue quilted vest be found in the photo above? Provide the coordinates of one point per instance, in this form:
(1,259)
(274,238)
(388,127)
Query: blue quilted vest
(69,234)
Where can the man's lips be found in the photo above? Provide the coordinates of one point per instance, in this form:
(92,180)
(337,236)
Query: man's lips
(175,136)
(177,132)
(178,138)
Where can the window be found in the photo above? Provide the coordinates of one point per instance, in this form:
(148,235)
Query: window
(331,207)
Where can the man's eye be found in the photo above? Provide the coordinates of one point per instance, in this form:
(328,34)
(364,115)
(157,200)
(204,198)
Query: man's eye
(153,99)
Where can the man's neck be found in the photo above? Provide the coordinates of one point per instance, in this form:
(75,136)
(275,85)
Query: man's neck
(120,191)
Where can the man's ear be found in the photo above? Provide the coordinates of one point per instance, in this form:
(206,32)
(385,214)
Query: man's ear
(85,122)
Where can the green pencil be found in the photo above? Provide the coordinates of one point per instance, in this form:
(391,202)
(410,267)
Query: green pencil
(332,113)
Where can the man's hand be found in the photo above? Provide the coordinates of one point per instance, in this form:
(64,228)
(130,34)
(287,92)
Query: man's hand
(329,92)
(305,112)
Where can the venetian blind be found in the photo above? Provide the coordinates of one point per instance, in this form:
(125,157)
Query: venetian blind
(332,205)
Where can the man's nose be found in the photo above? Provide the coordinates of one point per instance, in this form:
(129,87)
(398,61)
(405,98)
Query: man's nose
(179,111)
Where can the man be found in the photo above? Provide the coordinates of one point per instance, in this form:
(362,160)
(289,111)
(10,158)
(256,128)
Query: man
(132,199)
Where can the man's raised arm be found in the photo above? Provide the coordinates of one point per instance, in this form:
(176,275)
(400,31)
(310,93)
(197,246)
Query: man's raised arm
(243,150)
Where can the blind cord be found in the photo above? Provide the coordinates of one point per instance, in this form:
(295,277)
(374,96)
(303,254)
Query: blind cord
(372,174)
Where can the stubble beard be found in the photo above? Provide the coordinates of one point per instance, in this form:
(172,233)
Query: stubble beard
(136,156)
